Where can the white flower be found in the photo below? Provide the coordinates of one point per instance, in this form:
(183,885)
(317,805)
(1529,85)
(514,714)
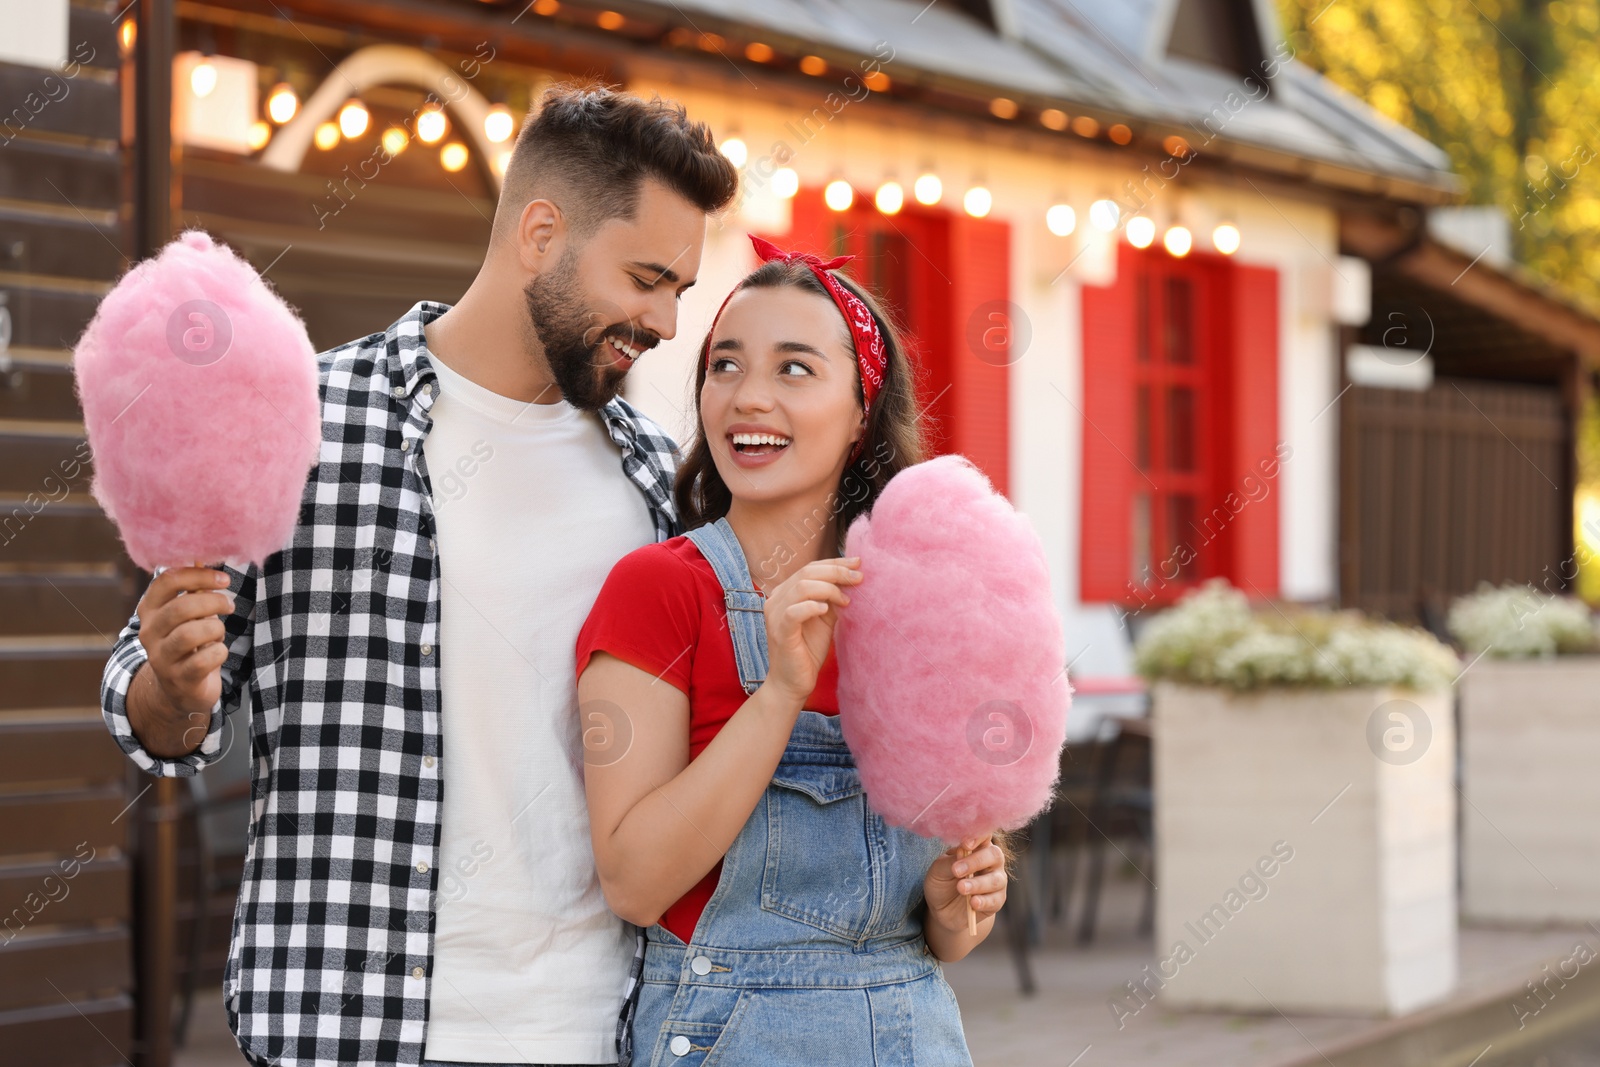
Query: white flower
(1211,637)
(1518,622)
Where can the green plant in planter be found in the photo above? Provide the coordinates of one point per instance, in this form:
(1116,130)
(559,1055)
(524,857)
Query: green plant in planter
(1214,637)
(1519,622)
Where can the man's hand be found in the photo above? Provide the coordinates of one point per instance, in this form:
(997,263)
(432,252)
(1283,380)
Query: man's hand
(171,696)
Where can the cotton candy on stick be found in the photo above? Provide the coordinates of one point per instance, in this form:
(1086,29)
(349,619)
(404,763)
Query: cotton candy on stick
(953,692)
(199,394)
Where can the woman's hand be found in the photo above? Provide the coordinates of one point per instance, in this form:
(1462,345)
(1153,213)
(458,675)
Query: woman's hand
(800,616)
(952,881)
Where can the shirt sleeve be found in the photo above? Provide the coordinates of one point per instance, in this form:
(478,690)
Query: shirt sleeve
(128,655)
(647,614)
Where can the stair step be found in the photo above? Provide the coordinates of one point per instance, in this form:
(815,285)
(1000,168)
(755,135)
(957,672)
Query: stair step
(61,603)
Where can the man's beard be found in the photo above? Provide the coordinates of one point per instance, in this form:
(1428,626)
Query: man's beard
(573,339)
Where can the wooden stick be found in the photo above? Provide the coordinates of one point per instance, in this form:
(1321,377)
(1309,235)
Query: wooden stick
(972,916)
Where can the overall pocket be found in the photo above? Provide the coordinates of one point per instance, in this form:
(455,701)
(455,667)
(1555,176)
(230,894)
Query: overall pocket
(825,851)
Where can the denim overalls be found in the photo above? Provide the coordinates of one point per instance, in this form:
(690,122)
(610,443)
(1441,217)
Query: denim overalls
(810,951)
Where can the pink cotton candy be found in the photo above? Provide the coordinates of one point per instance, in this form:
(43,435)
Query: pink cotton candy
(953,692)
(199,394)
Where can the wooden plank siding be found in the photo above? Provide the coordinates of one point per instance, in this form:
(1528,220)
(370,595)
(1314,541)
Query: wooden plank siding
(66,826)
(1468,481)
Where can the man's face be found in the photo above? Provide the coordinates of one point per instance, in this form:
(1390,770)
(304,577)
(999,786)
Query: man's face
(615,297)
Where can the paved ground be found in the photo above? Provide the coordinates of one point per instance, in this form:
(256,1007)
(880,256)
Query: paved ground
(1067,1023)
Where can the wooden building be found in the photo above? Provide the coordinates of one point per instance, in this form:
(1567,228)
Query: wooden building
(1134,244)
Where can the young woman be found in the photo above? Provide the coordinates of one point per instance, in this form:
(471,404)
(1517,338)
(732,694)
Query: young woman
(787,923)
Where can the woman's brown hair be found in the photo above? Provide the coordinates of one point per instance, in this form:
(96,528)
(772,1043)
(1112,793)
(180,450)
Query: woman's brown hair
(893,440)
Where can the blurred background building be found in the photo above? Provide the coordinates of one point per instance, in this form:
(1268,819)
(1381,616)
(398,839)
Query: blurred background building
(1198,311)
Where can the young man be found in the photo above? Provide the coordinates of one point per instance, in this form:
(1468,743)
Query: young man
(478,478)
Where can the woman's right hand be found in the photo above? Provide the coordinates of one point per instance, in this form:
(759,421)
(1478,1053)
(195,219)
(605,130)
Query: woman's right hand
(800,615)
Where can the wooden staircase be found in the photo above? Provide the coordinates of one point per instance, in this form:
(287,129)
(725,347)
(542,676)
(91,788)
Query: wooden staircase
(67,811)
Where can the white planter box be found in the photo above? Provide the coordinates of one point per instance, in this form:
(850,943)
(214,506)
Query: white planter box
(1362,917)
(1530,771)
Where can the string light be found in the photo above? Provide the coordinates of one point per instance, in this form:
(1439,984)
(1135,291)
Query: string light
(282,103)
(1178,241)
(890,198)
(453,156)
(203,78)
(1225,238)
(928,189)
(1141,231)
(326,135)
(1061,219)
(499,124)
(785,182)
(1053,119)
(1002,108)
(353,119)
(1104,215)
(431,125)
(756,52)
(260,134)
(815,66)
(838,195)
(736,151)
(610,20)
(977,201)
(395,140)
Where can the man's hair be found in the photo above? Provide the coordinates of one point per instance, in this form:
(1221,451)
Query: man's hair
(588,148)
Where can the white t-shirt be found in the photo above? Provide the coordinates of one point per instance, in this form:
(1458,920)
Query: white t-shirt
(532,510)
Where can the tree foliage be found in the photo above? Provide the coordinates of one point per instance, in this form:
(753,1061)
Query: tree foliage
(1509,88)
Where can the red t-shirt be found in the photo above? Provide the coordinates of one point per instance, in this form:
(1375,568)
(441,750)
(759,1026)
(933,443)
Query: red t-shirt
(662,610)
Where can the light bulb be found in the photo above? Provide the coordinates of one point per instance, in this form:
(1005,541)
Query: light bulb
(736,151)
(890,198)
(977,201)
(453,156)
(838,195)
(353,119)
(1225,238)
(283,103)
(928,189)
(326,135)
(1141,231)
(1104,215)
(498,124)
(203,78)
(785,182)
(1061,219)
(1178,241)
(431,125)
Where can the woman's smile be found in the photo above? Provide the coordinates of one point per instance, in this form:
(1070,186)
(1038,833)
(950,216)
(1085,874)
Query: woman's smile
(753,445)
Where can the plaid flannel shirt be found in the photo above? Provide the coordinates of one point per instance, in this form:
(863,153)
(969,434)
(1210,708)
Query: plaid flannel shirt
(336,637)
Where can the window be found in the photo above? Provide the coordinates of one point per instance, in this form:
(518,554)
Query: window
(1180,426)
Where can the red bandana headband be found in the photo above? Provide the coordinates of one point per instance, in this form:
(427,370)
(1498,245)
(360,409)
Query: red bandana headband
(872,357)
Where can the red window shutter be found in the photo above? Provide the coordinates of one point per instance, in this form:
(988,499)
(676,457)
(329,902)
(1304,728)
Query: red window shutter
(1105,554)
(979,268)
(1253,386)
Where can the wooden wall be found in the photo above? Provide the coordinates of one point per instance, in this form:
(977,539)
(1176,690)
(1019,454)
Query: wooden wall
(66,828)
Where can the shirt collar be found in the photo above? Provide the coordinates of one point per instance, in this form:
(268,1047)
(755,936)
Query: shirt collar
(411,369)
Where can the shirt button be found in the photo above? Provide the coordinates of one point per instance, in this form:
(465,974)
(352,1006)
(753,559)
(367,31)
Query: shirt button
(399,390)
(679,1046)
(405,446)
(427,761)
(427,650)
(422,868)
(433,544)
(416,972)
(700,965)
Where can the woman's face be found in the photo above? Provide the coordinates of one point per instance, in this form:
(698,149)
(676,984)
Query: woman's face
(781,367)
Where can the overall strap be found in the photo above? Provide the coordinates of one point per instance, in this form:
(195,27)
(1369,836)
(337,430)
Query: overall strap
(747,621)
